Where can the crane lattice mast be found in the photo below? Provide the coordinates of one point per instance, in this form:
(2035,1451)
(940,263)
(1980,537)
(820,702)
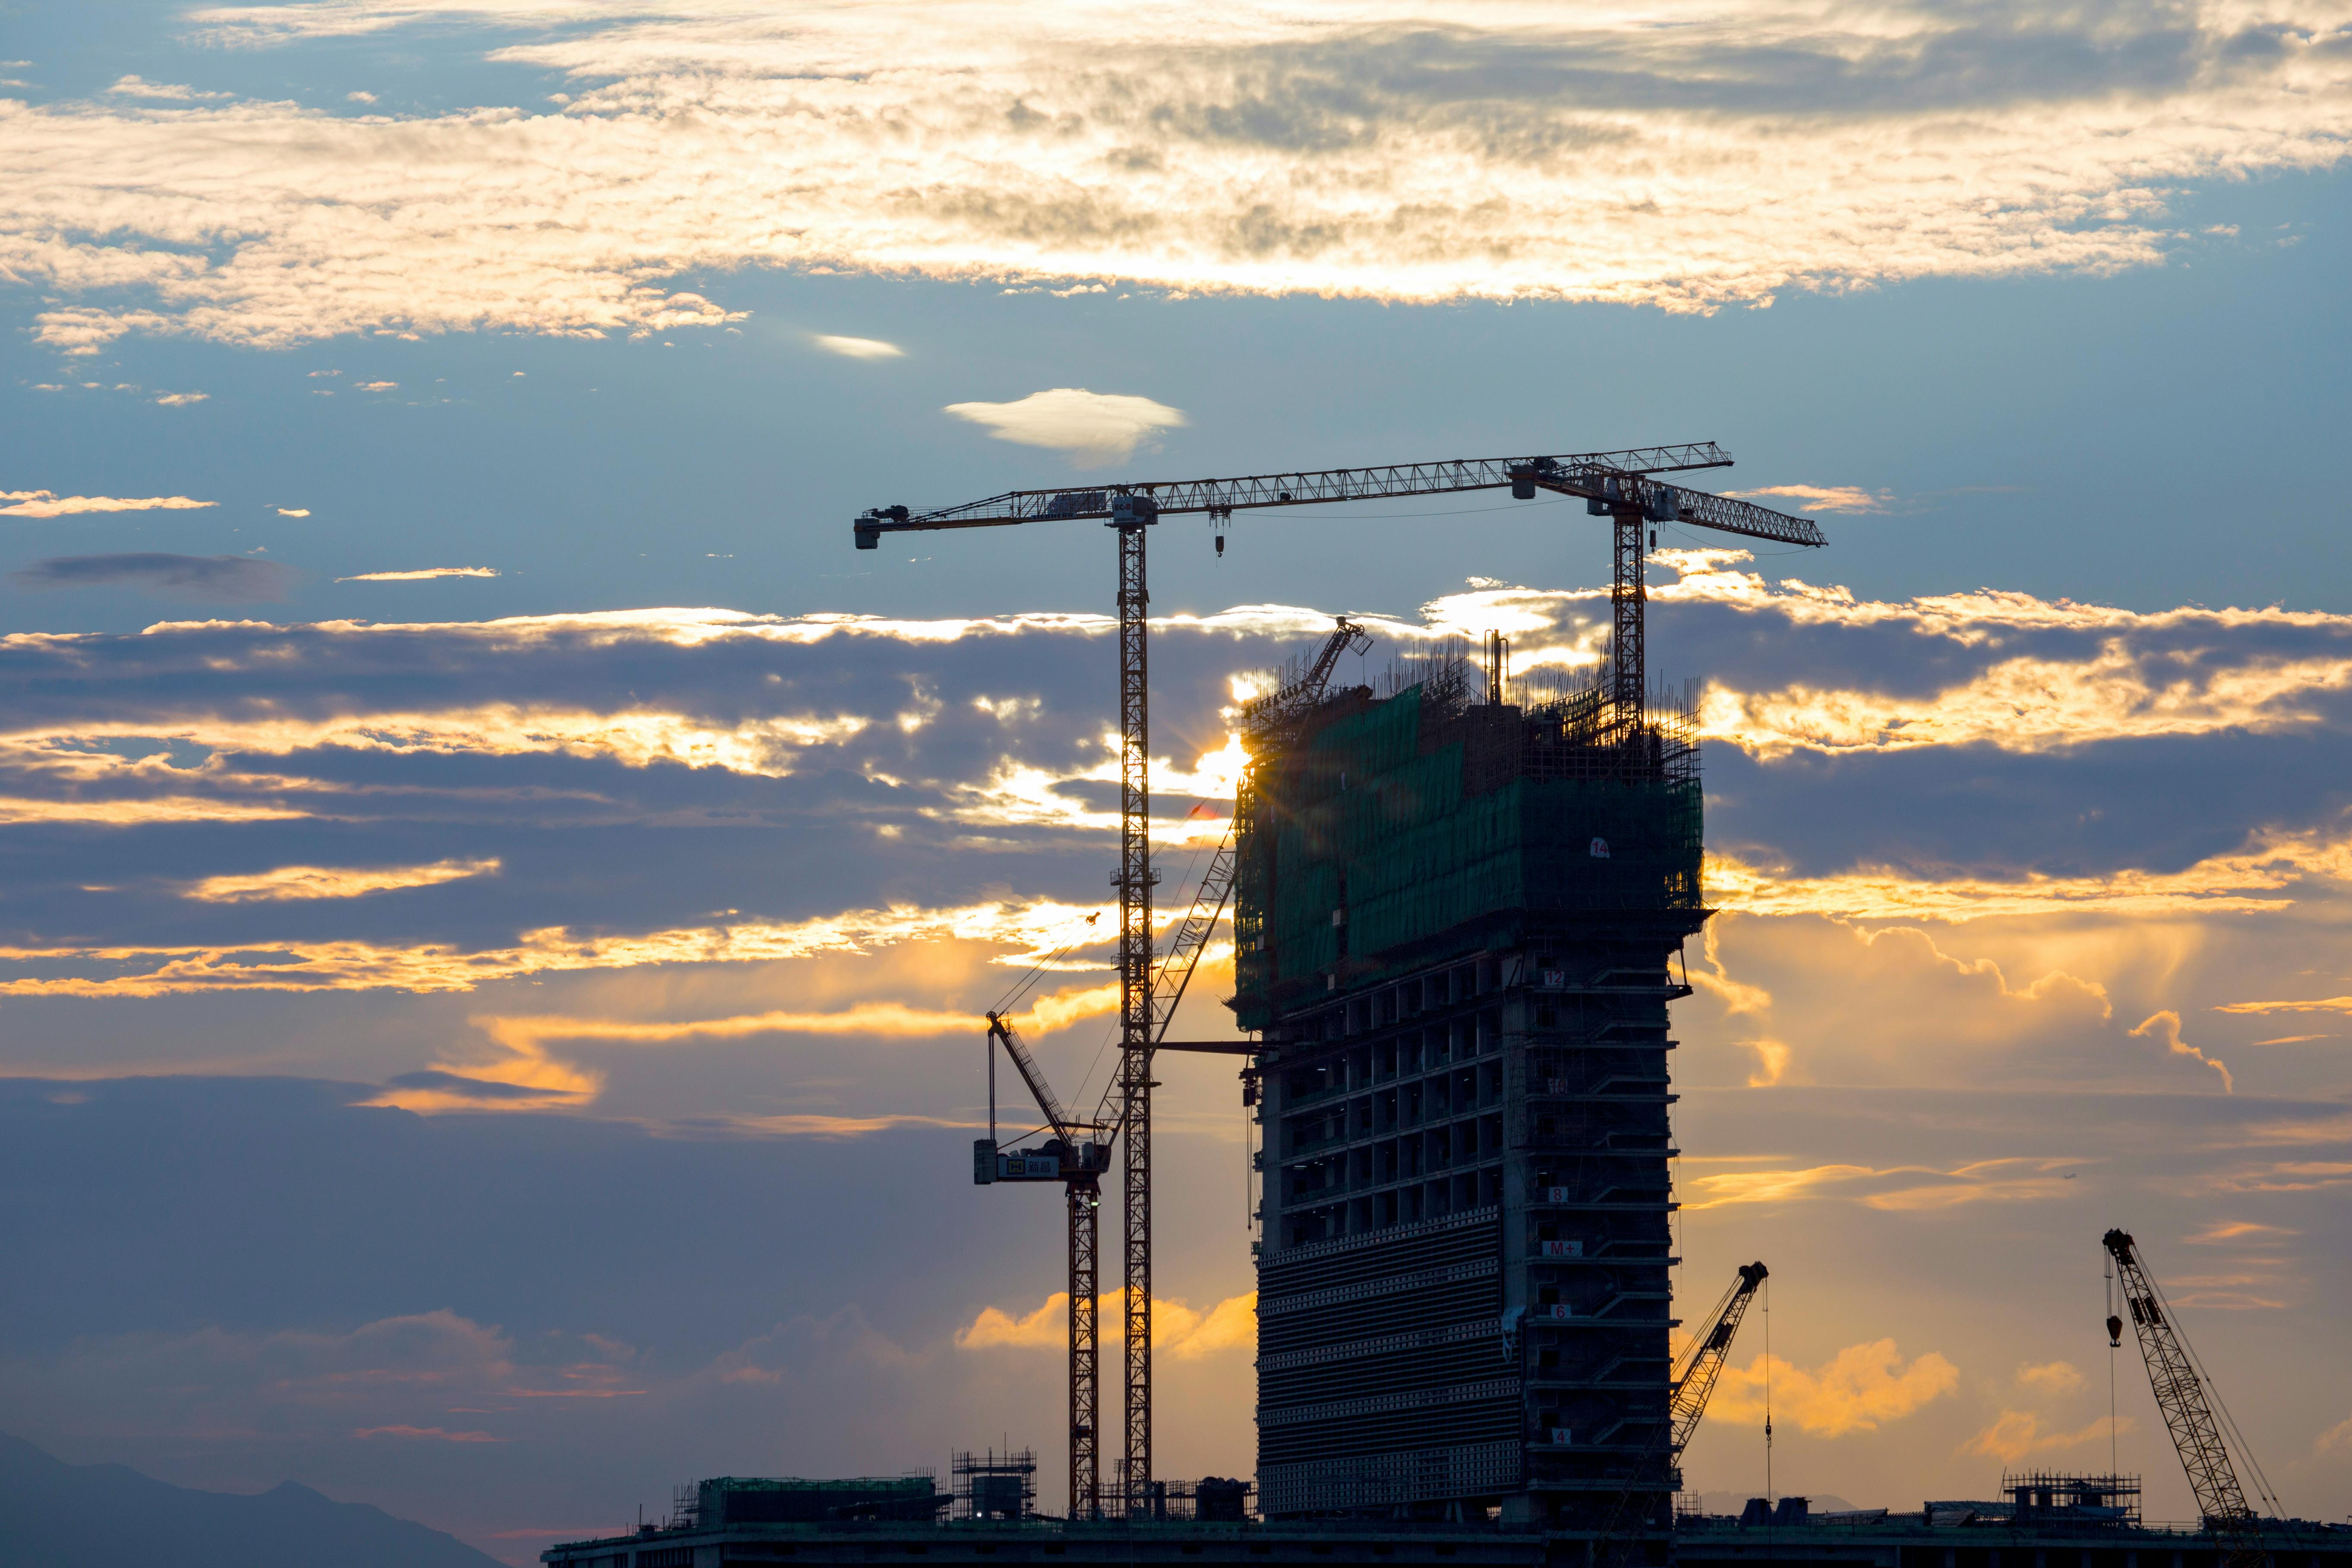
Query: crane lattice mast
(1617,485)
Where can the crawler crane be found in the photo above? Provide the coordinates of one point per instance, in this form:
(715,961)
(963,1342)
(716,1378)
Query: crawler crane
(2197,1424)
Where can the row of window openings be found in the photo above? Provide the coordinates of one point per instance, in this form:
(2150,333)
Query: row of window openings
(1436,1098)
(1407,999)
(1405,1056)
(1405,1159)
(1397,1205)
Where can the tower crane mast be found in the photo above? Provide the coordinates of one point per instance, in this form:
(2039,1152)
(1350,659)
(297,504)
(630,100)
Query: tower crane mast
(1618,485)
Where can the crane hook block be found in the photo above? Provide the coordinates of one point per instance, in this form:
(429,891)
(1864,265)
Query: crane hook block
(2114,1331)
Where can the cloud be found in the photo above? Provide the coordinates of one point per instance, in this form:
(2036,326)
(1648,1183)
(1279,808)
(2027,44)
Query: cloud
(2166,1026)
(136,87)
(293,511)
(858,348)
(434,1088)
(1823,498)
(426,1434)
(2017,1434)
(417,576)
(2253,881)
(145,812)
(2051,1377)
(2244,1231)
(220,578)
(46,503)
(330,882)
(1896,1188)
(1029,932)
(1176,1329)
(375,386)
(1095,428)
(182,399)
(1359,150)
(2317,1004)
(2336,1439)
(1858,1390)
(526,1066)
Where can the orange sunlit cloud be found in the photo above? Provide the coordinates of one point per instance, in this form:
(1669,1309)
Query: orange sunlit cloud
(285,882)
(1860,1389)
(1177,1329)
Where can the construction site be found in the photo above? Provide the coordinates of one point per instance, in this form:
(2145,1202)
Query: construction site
(1458,908)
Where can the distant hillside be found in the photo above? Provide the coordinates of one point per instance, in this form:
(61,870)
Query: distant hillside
(56,1515)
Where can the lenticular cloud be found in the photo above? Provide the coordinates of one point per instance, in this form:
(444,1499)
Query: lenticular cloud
(1685,154)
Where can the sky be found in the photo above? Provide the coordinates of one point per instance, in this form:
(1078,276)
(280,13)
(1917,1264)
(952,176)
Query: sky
(498,893)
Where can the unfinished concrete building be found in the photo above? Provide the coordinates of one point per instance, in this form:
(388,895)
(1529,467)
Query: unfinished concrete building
(1457,918)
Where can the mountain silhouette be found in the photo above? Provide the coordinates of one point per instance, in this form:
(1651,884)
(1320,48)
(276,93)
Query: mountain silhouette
(56,1515)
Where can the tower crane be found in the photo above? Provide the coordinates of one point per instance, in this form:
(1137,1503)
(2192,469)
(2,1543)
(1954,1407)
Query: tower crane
(1618,485)
(1078,1152)
(2198,1423)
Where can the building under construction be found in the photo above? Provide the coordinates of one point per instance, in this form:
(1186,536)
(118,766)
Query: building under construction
(1457,910)
(1456,917)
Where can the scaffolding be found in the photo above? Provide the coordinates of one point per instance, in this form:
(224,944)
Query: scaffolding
(1378,836)
(991,1485)
(2053,1496)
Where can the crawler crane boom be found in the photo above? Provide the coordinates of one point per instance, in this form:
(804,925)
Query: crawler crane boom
(2181,1394)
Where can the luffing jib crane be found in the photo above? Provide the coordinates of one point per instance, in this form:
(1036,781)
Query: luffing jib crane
(1077,1155)
(1618,485)
(2198,1433)
(1655,1475)
(1703,1359)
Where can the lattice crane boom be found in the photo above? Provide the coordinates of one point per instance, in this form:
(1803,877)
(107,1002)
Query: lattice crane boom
(2181,1397)
(1260,717)
(1259,492)
(1000,1030)
(1653,1475)
(1703,1362)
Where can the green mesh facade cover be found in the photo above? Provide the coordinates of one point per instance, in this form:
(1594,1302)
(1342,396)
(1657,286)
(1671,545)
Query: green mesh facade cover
(1370,817)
